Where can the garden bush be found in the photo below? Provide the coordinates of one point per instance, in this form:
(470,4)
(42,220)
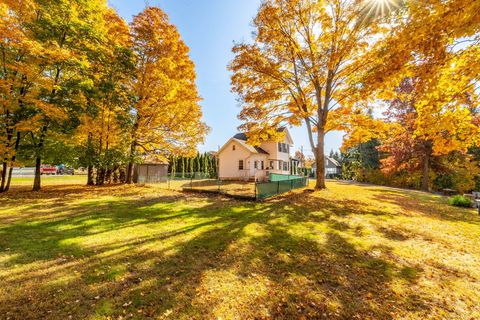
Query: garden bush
(460,201)
(443,181)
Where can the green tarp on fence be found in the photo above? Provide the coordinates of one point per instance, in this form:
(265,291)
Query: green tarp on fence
(279,184)
(274,177)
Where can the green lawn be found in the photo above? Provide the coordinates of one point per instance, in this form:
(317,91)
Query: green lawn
(49,180)
(350,252)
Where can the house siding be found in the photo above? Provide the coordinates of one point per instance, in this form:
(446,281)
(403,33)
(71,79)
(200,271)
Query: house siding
(228,160)
(274,155)
(258,173)
(228,163)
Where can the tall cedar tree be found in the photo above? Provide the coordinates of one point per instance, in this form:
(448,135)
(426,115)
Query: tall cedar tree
(300,67)
(166,101)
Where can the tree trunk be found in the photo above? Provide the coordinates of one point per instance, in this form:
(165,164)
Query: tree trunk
(108,175)
(100,181)
(90,181)
(90,155)
(129,178)
(5,159)
(133,146)
(14,157)
(115,175)
(122,175)
(9,178)
(4,176)
(130,164)
(320,161)
(426,173)
(426,166)
(38,161)
(37,182)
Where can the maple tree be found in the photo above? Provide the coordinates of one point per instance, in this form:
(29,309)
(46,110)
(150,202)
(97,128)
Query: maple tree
(19,72)
(301,68)
(103,130)
(405,150)
(414,144)
(433,55)
(165,98)
(69,31)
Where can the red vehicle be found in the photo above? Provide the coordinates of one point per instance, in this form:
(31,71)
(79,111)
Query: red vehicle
(48,169)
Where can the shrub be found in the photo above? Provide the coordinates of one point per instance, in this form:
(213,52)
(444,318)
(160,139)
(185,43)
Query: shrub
(460,201)
(477,182)
(443,181)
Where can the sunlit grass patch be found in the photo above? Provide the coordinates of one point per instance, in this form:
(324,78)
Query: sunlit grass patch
(49,180)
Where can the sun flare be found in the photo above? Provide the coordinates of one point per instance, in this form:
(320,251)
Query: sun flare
(380,8)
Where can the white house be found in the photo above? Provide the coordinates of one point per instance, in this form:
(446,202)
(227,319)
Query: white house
(237,160)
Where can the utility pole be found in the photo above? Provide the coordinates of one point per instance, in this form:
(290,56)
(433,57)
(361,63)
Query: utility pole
(302,161)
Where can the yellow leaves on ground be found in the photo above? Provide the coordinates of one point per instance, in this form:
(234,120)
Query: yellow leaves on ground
(349,252)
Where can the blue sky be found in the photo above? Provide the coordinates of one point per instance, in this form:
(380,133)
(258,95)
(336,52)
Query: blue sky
(209,28)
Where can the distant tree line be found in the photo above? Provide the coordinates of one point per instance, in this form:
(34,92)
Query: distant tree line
(369,162)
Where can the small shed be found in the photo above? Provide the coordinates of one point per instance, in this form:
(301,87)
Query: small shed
(150,172)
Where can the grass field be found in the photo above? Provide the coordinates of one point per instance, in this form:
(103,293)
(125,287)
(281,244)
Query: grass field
(349,252)
(229,187)
(49,180)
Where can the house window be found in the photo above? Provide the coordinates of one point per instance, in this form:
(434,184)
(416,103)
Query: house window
(233,147)
(285,166)
(283,147)
(262,166)
(255,164)
(272,165)
(240,165)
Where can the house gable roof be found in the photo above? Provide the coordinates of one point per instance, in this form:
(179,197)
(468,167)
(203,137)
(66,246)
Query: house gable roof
(287,135)
(333,161)
(243,143)
(242,136)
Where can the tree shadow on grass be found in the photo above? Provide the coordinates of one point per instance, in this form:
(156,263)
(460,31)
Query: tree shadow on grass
(213,258)
(421,202)
(429,207)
